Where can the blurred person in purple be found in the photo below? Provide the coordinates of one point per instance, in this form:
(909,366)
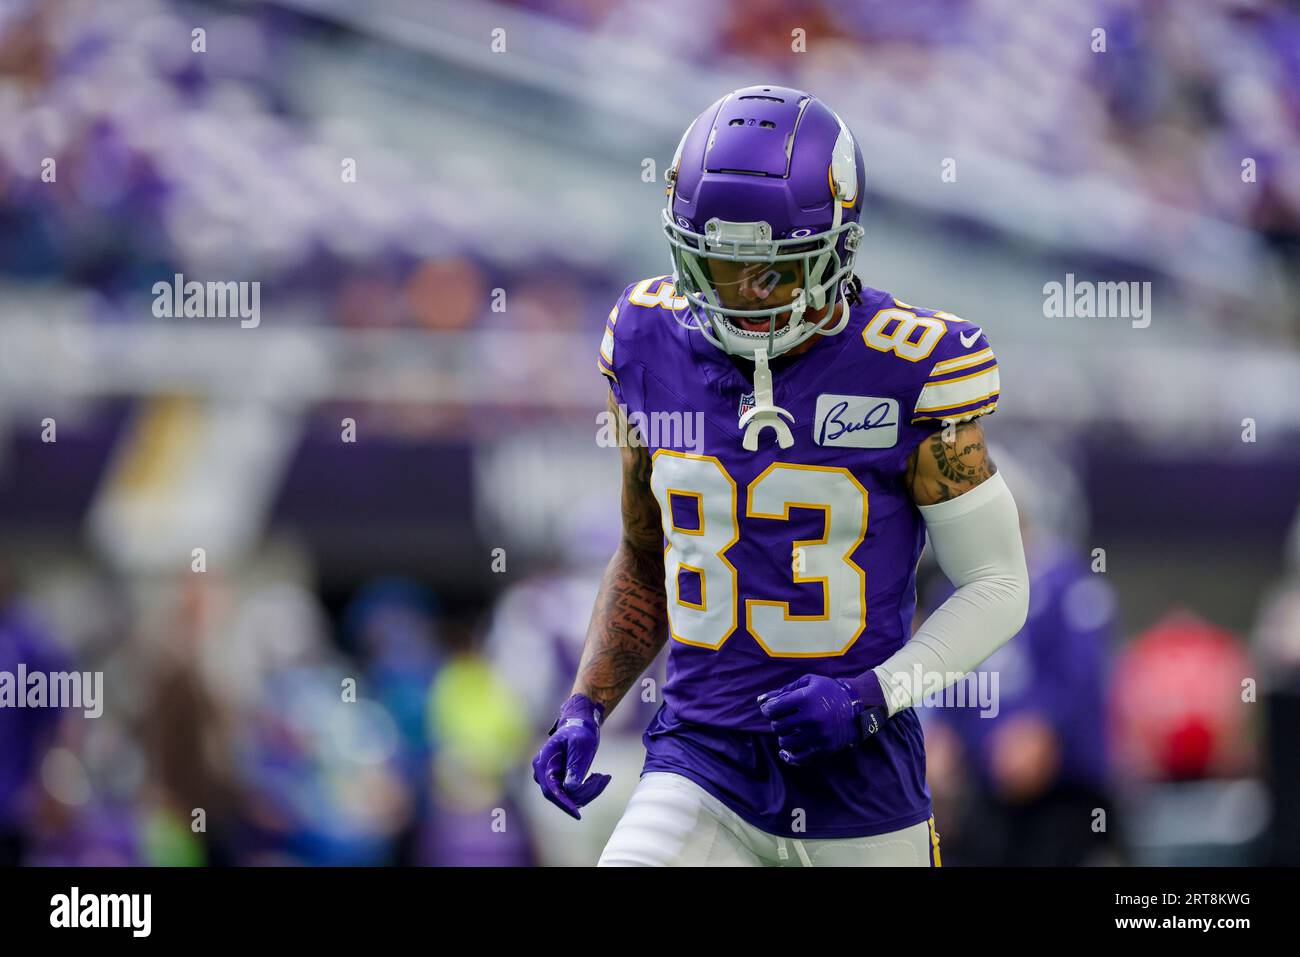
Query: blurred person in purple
(1018,766)
(26,734)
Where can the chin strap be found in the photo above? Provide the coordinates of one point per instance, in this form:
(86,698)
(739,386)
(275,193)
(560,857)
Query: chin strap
(813,282)
(764,414)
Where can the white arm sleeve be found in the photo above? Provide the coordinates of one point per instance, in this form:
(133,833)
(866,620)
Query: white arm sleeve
(976,540)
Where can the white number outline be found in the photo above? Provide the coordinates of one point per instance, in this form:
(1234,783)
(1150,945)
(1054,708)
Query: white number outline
(669,525)
(672,568)
(664,297)
(908,322)
(796,547)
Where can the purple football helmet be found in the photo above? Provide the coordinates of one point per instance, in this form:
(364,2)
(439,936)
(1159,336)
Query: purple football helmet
(765,181)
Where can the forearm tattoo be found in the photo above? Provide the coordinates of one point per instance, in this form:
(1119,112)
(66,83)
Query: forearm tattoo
(629,622)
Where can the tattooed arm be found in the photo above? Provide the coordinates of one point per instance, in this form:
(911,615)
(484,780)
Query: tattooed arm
(629,623)
(948,463)
(974,532)
(628,627)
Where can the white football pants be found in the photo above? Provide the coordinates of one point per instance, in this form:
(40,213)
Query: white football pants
(671,821)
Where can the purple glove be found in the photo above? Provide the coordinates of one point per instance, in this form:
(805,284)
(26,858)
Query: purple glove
(564,760)
(816,714)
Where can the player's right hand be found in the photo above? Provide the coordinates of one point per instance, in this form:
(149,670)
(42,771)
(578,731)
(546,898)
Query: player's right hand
(561,766)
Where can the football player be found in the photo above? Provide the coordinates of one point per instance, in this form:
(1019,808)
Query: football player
(779,552)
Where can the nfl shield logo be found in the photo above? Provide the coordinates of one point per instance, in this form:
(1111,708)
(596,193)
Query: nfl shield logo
(746,403)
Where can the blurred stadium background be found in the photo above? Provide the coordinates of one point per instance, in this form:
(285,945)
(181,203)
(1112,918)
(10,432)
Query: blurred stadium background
(449,302)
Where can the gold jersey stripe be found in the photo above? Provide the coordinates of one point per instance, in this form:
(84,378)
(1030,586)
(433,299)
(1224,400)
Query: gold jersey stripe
(962,362)
(964,416)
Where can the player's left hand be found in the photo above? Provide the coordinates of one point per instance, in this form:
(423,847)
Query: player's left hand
(815,714)
(562,765)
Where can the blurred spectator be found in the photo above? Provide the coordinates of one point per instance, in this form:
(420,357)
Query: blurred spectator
(481,736)
(1016,779)
(1277,650)
(1183,724)
(446,294)
(25,733)
(1178,702)
(1037,766)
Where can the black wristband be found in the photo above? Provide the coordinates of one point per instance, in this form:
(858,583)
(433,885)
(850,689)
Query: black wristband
(871,721)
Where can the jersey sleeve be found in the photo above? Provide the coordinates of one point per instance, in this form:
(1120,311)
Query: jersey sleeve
(608,356)
(605,357)
(962,383)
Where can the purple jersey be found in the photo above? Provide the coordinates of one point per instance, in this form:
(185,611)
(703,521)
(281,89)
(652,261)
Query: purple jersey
(785,562)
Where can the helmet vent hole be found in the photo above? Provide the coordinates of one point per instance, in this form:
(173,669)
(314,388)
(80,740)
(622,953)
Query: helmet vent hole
(769,99)
(767,125)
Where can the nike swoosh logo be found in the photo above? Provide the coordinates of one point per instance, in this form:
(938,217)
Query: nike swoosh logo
(968,339)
